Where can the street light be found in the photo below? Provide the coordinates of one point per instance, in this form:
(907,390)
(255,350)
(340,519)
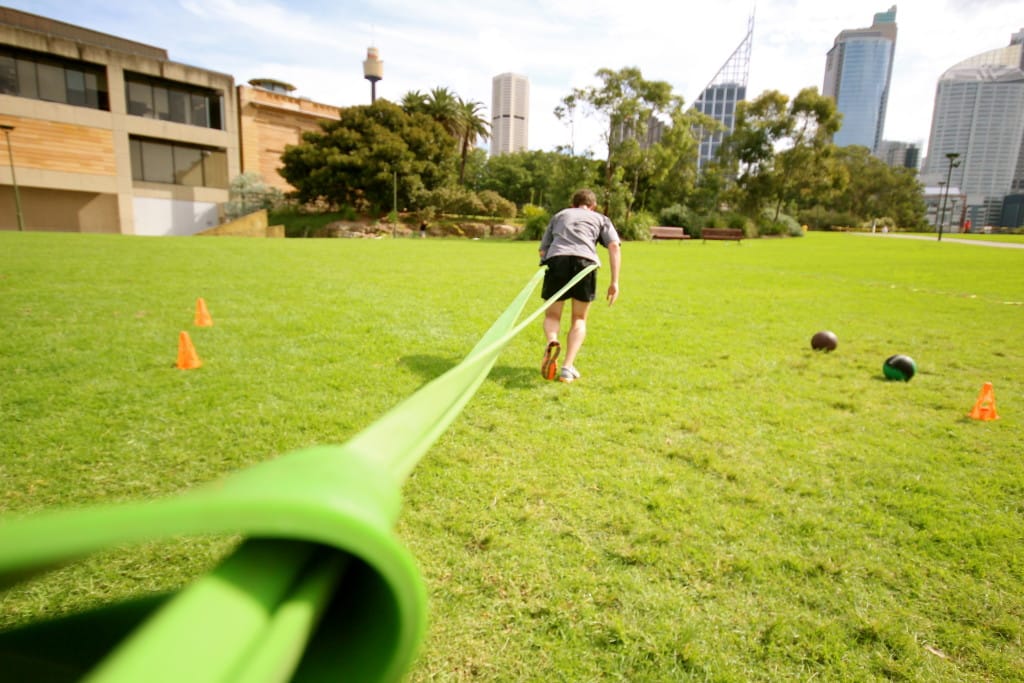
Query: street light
(953,163)
(939,209)
(14,181)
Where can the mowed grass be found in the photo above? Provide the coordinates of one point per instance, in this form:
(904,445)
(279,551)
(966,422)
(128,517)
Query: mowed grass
(712,500)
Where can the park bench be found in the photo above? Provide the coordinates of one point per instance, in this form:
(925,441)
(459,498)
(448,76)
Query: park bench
(722,234)
(663,232)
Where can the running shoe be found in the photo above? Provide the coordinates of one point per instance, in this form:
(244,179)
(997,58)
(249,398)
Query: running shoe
(549,366)
(568,374)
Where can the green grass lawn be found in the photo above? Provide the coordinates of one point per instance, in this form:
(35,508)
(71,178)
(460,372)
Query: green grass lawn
(713,500)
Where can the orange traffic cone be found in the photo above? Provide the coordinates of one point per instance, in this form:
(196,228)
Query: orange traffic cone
(187,358)
(203,318)
(985,406)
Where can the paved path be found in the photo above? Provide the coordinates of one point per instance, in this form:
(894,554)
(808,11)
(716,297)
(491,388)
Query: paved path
(976,243)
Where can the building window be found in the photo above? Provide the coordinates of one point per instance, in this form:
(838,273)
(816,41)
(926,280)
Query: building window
(45,77)
(159,161)
(155,98)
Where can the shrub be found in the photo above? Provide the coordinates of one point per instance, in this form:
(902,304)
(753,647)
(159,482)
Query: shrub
(637,226)
(820,218)
(783,225)
(496,205)
(249,193)
(537,219)
(676,215)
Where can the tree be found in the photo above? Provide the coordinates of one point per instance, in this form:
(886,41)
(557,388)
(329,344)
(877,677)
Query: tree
(414,102)
(357,159)
(673,176)
(443,106)
(547,179)
(471,127)
(627,102)
(875,190)
(780,150)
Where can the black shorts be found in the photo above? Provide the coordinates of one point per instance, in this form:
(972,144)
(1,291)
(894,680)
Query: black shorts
(560,270)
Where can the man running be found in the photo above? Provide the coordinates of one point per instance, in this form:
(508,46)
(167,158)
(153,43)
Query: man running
(568,246)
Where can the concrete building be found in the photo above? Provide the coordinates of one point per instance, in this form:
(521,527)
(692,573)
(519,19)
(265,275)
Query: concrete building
(858,70)
(110,135)
(510,113)
(721,96)
(899,154)
(270,118)
(979,116)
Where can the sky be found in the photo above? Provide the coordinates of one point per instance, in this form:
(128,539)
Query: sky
(319,46)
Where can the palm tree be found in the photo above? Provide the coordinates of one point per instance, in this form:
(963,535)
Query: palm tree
(414,101)
(443,106)
(471,127)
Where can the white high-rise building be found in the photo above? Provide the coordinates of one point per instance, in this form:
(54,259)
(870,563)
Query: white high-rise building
(979,118)
(510,113)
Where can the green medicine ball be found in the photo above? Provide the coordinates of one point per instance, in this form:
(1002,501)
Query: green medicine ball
(899,367)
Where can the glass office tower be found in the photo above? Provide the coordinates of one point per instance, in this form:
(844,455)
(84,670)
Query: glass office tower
(719,99)
(979,116)
(858,70)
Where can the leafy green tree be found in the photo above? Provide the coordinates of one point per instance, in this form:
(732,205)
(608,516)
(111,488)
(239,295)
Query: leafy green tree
(539,177)
(627,103)
(357,159)
(875,190)
(673,176)
(780,150)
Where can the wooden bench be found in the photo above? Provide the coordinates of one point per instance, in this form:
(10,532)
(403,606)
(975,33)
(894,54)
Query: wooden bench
(734,234)
(663,232)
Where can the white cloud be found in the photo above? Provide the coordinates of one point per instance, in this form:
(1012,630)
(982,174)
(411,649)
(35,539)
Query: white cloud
(558,44)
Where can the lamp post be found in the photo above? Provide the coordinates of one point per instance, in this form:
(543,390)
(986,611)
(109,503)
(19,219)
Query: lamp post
(941,208)
(14,180)
(953,163)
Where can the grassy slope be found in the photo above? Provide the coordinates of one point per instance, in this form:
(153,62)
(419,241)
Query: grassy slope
(713,500)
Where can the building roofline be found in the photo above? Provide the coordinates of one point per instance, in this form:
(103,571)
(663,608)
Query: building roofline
(60,29)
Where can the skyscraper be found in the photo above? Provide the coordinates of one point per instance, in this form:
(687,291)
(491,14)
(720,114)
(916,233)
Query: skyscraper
(858,69)
(979,115)
(719,99)
(510,113)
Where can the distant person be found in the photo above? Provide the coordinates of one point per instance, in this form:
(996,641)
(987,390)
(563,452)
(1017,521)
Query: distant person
(423,229)
(568,246)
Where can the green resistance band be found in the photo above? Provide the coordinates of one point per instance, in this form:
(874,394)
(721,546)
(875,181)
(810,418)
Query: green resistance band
(319,589)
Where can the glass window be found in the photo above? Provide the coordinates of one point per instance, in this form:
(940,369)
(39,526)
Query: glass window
(157,162)
(8,75)
(178,106)
(92,92)
(161,104)
(140,99)
(188,166)
(51,83)
(216,112)
(135,148)
(200,111)
(27,86)
(46,77)
(215,165)
(75,86)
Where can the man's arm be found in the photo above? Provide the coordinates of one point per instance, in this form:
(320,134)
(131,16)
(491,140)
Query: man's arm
(615,261)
